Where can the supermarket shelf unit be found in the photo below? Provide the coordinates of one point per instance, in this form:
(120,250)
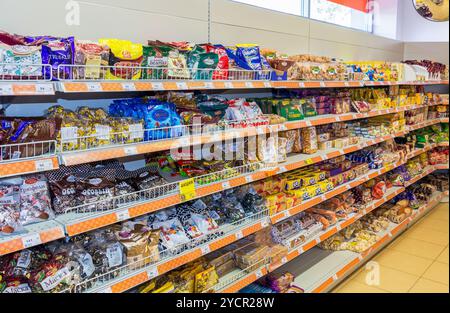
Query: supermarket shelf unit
(73,223)
(237,279)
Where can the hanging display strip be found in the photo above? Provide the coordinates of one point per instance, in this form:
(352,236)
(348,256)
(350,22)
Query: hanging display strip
(28,166)
(31,88)
(26,88)
(33,235)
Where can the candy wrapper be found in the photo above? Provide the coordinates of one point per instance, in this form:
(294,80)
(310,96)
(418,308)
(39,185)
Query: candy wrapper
(9,207)
(92,58)
(20,62)
(35,200)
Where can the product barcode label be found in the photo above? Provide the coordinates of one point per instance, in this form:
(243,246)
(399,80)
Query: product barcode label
(284,260)
(44,88)
(205,249)
(248,179)
(94,87)
(249,84)
(44,165)
(130,150)
(152,272)
(267,85)
(31,240)
(301,85)
(129,86)
(265,223)
(322,84)
(182,86)
(239,235)
(287,214)
(123,215)
(229,85)
(6,89)
(158,86)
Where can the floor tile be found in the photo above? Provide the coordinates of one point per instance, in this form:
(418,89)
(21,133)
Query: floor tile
(437,272)
(427,235)
(443,257)
(390,280)
(428,286)
(356,287)
(434,224)
(403,262)
(416,247)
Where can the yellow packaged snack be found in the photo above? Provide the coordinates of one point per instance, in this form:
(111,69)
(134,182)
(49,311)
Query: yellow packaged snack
(314,190)
(125,59)
(292,183)
(206,280)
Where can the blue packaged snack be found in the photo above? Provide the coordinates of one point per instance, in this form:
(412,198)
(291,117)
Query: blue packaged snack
(248,57)
(55,51)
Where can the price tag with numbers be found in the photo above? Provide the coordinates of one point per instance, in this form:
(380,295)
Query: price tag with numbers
(264,223)
(31,240)
(129,86)
(187,189)
(43,165)
(132,150)
(209,85)
(123,215)
(248,179)
(267,85)
(205,249)
(249,84)
(44,88)
(239,235)
(6,89)
(259,274)
(158,86)
(301,85)
(93,87)
(322,84)
(152,272)
(182,86)
(229,85)
(226,185)
(105,290)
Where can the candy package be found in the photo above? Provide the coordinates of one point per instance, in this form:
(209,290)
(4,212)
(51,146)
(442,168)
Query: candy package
(156,59)
(20,62)
(172,233)
(92,58)
(125,59)
(9,207)
(35,203)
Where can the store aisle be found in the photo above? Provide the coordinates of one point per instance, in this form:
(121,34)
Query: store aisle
(416,262)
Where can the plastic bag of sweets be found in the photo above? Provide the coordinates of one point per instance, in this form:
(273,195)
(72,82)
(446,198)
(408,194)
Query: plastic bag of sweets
(96,190)
(55,51)
(156,58)
(63,186)
(91,58)
(10,206)
(223,66)
(125,59)
(20,62)
(35,202)
(203,69)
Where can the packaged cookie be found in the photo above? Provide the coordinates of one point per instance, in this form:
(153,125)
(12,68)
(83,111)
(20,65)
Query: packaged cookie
(309,140)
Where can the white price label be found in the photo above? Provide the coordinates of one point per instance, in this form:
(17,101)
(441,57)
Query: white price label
(129,86)
(44,165)
(106,290)
(264,223)
(239,235)
(209,85)
(152,272)
(284,260)
(301,85)
(205,249)
(338,227)
(182,86)
(346,84)
(31,240)
(287,214)
(44,88)
(283,127)
(94,87)
(249,84)
(259,274)
(226,185)
(282,169)
(300,250)
(158,86)
(248,179)
(6,89)
(130,150)
(322,84)
(267,85)
(123,215)
(335,277)
(229,85)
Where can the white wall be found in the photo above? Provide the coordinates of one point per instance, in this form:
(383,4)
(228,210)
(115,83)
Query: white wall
(175,20)
(415,28)
(434,51)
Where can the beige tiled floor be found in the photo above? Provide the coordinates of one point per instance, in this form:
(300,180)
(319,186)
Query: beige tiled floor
(416,262)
